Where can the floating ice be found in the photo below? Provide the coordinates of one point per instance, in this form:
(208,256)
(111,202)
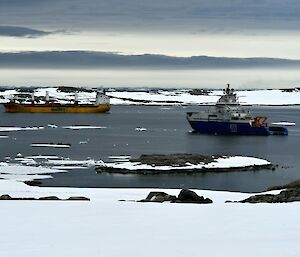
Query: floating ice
(9,129)
(284,123)
(77,127)
(140,129)
(17,169)
(23,177)
(83,142)
(72,162)
(119,156)
(50,145)
(52,126)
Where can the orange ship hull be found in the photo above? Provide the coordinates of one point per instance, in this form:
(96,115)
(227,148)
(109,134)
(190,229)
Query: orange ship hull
(56,108)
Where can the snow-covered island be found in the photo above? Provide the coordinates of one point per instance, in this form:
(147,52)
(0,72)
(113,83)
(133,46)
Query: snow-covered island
(182,163)
(167,97)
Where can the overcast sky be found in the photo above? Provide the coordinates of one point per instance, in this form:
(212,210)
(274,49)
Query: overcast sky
(232,28)
(86,34)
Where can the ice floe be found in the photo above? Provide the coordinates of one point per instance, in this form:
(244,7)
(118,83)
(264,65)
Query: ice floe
(140,129)
(284,123)
(8,129)
(119,157)
(21,172)
(50,145)
(78,127)
(52,126)
(87,163)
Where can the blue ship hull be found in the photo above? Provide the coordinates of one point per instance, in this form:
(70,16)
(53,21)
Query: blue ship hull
(227,128)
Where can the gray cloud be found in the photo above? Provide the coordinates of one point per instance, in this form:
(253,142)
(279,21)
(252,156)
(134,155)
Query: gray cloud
(87,59)
(14,31)
(176,15)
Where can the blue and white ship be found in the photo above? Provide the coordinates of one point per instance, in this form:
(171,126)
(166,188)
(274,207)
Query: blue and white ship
(229,117)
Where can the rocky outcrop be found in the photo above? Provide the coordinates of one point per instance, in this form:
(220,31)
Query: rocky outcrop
(55,198)
(45,198)
(189,196)
(78,198)
(285,196)
(159,197)
(5,197)
(185,196)
(174,159)
(294,184)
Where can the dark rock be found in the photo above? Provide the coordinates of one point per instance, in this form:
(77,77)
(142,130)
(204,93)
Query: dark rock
(24,198)
(78,198)
(189,196)
(33,183)
(294,184)
(173,159)
(285,196)
(159,197)
(5,197)
(52,198)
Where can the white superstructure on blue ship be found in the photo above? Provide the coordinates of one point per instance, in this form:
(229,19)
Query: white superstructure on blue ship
(229,117)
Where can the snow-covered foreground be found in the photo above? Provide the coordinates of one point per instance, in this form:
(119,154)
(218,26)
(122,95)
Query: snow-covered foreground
(107,227)
(167,97)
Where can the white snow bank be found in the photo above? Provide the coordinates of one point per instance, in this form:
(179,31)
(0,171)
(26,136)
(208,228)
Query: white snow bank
(222,162)
(251,97)
(16,169)
(104,226)
(24,173)
(23,177)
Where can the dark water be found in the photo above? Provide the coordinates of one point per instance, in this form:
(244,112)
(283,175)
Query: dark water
(167,132)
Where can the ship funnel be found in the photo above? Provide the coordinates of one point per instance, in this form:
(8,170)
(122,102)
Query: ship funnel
(76,97)
(47,96)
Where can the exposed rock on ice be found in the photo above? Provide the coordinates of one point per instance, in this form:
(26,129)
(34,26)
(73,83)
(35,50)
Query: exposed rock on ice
(183,163)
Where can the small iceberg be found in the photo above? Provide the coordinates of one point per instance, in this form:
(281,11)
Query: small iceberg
(140,129)
(78,127)
(50,145)
(284,123)
(52,126)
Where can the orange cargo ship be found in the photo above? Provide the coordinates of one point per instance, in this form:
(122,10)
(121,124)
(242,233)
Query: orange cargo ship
(101,105)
